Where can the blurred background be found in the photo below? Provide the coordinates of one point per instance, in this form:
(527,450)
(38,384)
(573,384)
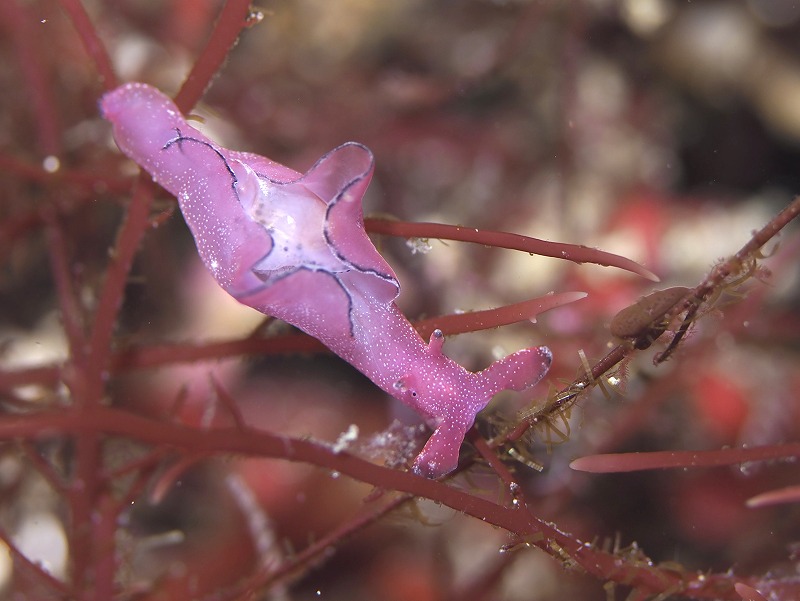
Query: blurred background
(661,130)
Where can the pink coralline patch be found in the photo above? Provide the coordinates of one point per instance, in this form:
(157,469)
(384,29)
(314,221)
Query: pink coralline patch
(293,246)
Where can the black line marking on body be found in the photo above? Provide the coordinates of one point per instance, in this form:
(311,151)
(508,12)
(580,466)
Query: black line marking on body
(273,280)
(333,202)
(181,138)
(339,255)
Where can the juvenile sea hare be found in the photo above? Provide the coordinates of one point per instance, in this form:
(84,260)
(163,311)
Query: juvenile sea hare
(293,246)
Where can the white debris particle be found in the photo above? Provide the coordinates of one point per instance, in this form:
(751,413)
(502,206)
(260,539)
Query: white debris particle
(345,439)
(51,164)
(419,245)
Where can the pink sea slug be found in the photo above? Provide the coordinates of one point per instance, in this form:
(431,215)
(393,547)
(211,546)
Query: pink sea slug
(293,246)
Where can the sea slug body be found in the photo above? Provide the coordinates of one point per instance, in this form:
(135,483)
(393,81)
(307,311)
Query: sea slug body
(293,246)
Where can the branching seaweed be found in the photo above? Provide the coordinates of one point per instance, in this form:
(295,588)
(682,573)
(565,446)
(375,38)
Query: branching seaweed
(159,461)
